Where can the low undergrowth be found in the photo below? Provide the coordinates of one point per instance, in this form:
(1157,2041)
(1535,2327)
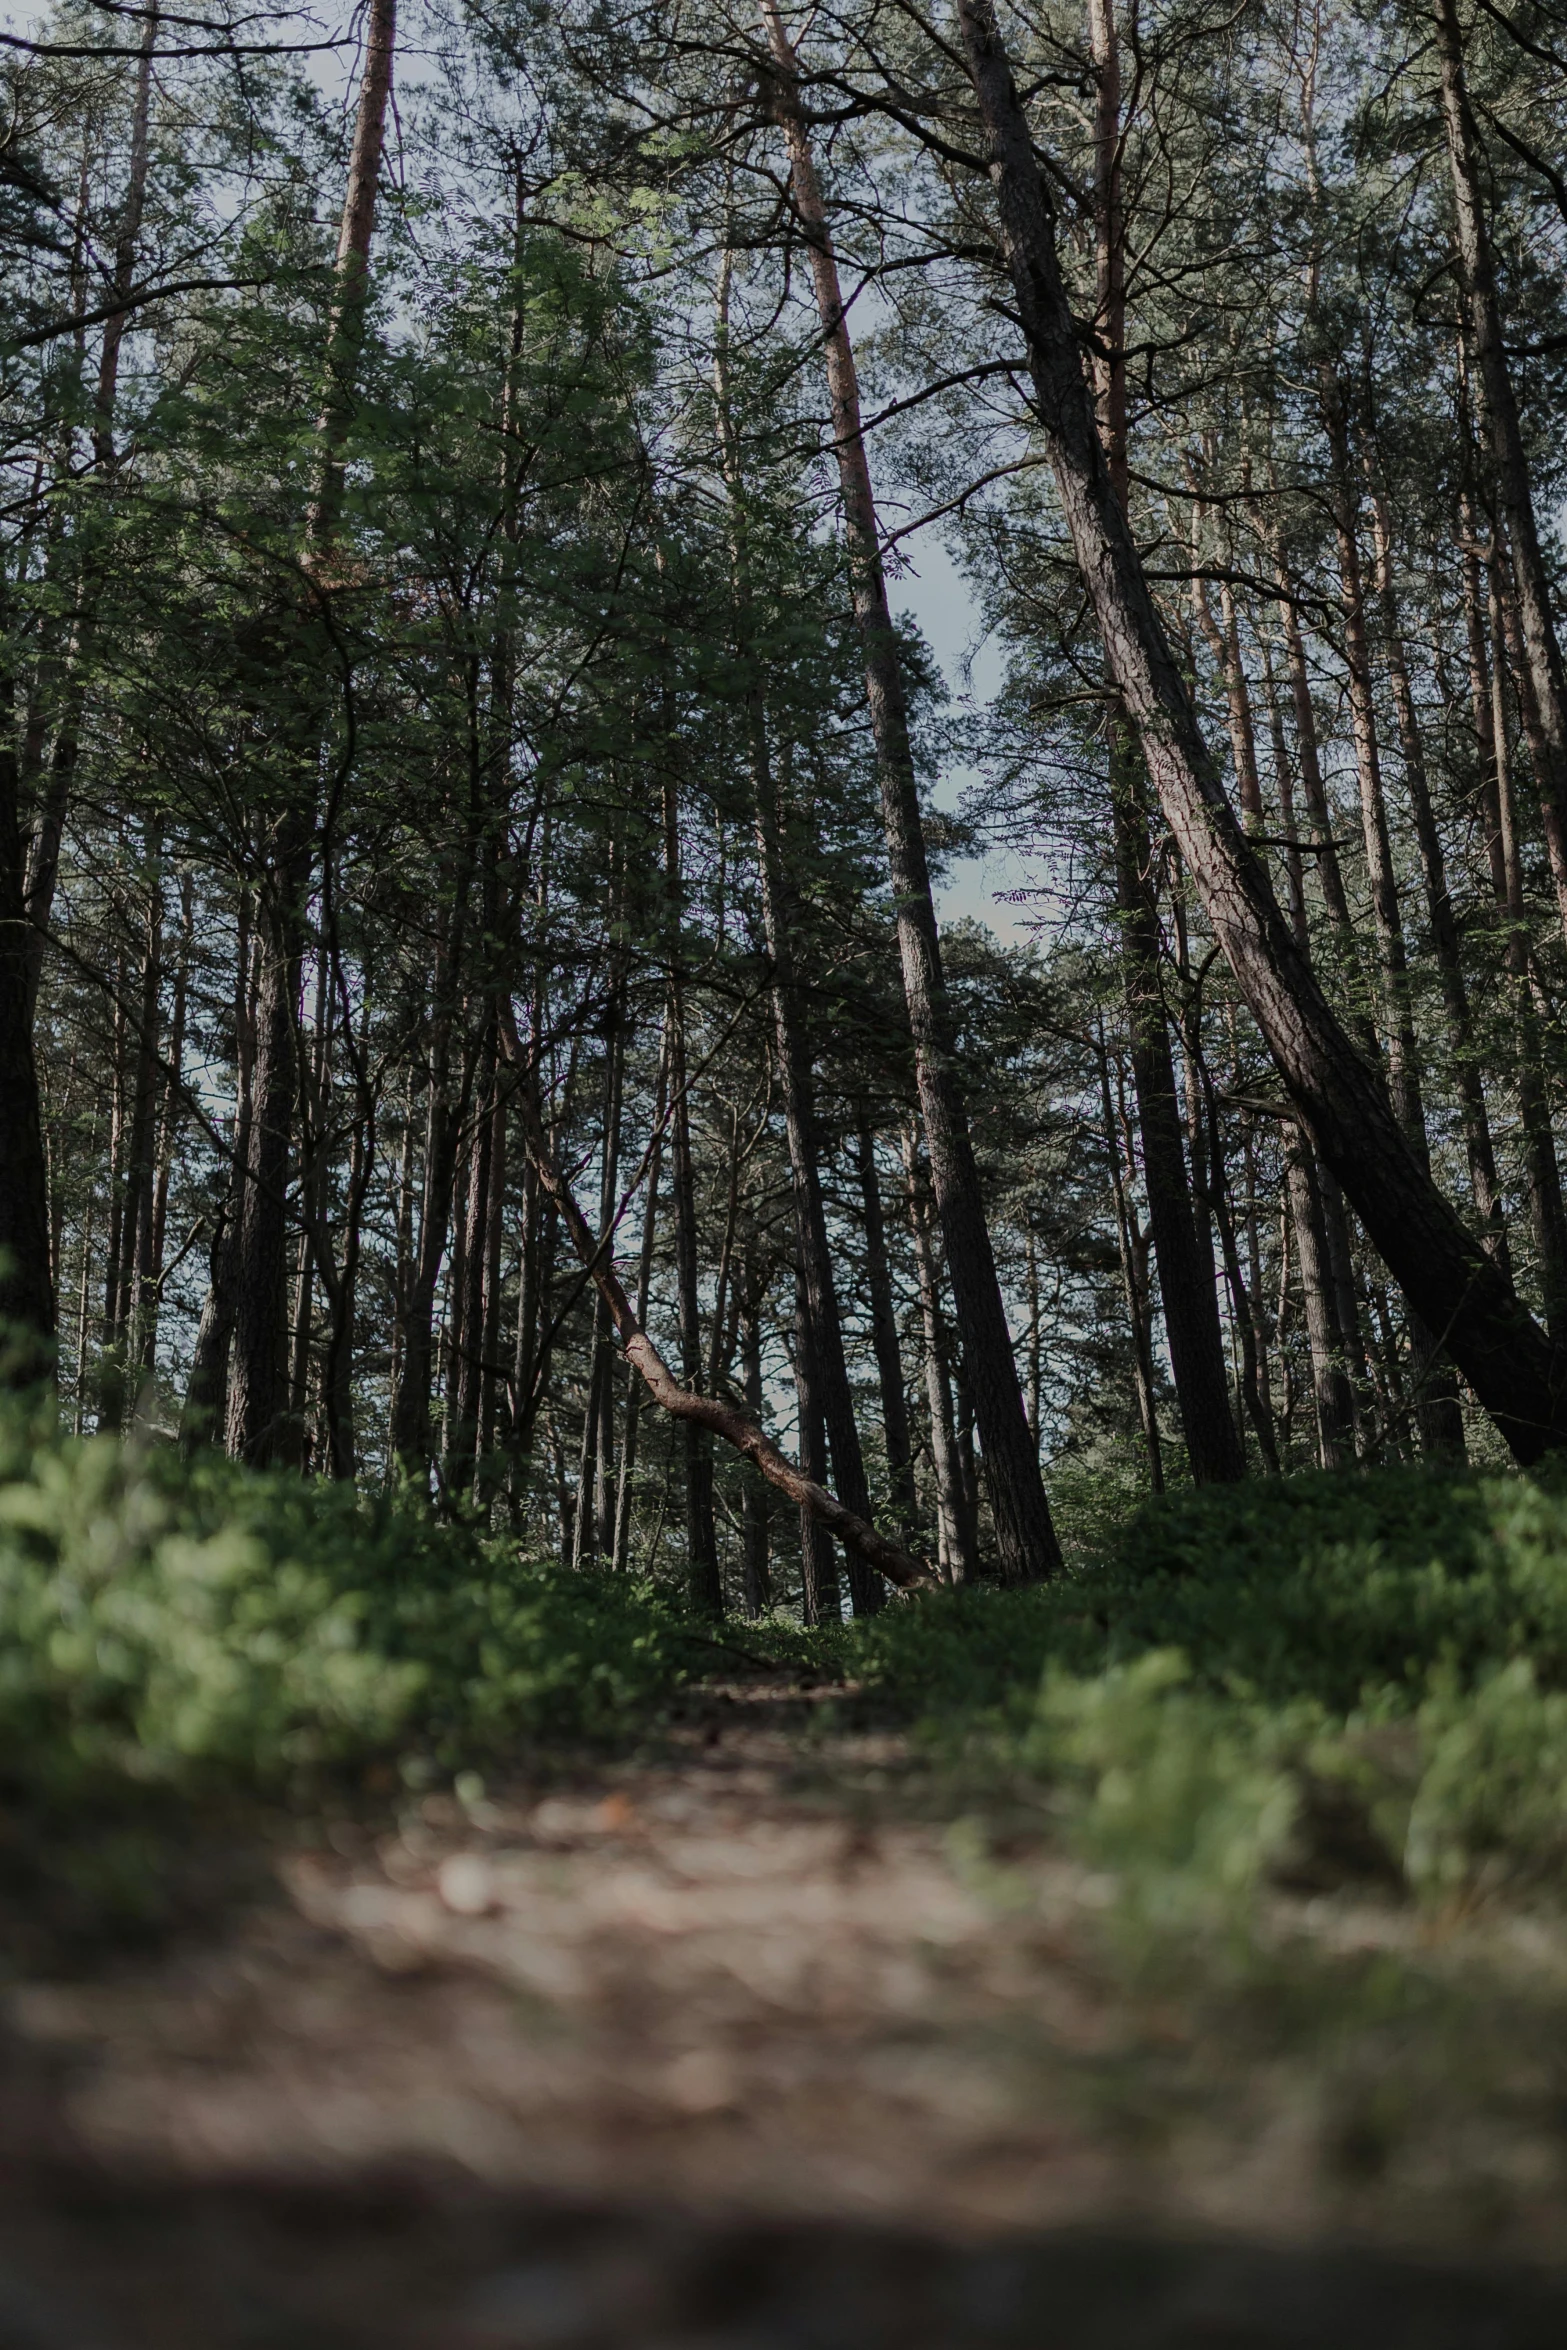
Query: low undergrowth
(1312,1683)
(174,1623)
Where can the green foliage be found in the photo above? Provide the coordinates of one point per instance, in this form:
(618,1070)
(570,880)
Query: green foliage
(168,1622)
(1318,1681)
(1312,1586)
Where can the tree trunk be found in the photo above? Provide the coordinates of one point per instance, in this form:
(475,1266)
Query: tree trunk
(411,1431)
(704,1582)
(462,1443)
(1335,1408)
(1439,905)
(26,1290)
(829,1364)
(491,1303)
(1025,1537)
(628,1442)
(1445,1272)
(1547,1215)
(1543,667)
(955,1528)
(884,1339)
(351,288)
(819,1600)
(1133,1289)
(1186,1285)
(755,1581)
(111,1354)
(258,1391)
(1441,1422)
(205,1413)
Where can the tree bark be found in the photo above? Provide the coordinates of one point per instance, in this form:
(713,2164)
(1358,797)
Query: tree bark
(1025,1537)
(1543,665)
(830,1365)
(1478,1145)
(205,1414)
(755,1579)
(1445,1272)
(628,1441)
(1542,1172)
(1335,1409)
(1186,1290)
(258,1381)
(1186,1286)
(957,1548)
(704,1581)
(26,1289)
(1133,1288)
(884,1339)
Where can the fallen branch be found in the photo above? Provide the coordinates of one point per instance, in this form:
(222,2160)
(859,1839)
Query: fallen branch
(682,1403)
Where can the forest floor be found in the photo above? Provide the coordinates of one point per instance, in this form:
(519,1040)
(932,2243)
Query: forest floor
(744,2041)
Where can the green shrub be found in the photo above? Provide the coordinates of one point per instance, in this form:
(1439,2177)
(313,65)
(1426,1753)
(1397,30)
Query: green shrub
(1312,1586)
(159,1620)
(1313,1679)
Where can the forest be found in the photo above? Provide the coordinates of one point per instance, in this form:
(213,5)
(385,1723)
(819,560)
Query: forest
(783,890)
(474,818)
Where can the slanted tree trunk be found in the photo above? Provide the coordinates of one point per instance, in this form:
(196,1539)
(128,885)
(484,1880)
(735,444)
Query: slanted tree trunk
(1446,1274)
(1025,1537)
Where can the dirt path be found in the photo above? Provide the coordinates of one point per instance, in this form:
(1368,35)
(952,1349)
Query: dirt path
(590,2034)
